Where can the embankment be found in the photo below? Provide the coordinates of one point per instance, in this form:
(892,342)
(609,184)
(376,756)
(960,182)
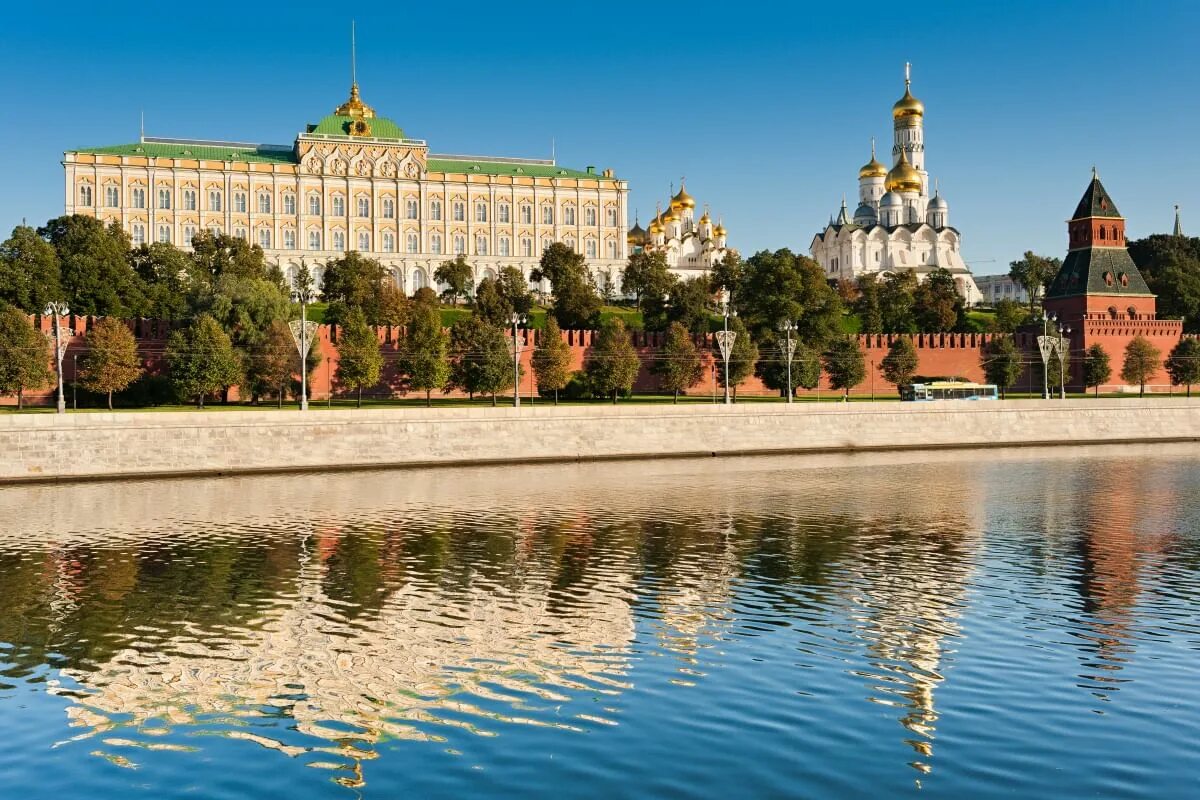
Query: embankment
(48,447)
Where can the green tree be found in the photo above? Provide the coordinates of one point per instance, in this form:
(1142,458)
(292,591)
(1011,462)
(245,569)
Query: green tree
(1001,362)
(844,364)
(689,304)
(164,270)
(482,359)
(896,301)
(551,360)
(678,363)
(1096,368)
(784,286)
(1034,273)
(354,282)
(25,355)
(728,273)
(867,304)
(272,362)
(1142,360)
(359,359)
(425,359)
(94,271)
(648,279)
(458,278)
(513,287)
(201,360)
(1183,363)
(937,304)
(393,305)
(1171,266)
(576,304)
(742,358)
(111,362)
(612,364)
(425,297)
(1009,316)
(28,271)
(490,305)
(900,362)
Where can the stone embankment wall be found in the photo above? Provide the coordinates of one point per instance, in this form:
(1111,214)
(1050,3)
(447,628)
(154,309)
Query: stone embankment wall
(104,445)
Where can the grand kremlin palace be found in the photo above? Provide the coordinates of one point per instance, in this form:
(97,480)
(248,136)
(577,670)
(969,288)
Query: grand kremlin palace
(353,181)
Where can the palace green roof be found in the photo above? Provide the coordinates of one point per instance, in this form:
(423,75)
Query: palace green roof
(210,152)
(334,125)
(470,166)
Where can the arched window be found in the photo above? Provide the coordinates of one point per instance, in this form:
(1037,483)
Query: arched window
(1112,312)
(435,244)
(364,242)
(85,195)
(411,243)
(460,245)
(264,203)
(481,245)
(389,208)
(264,238)
(389,242)
(420,280)
(481,212)
(339,206)
(289,203)
(314,240)
(1102,233)
(503,213)
(339,241)
(435,210)
(1133,312)
(505,246)
(314,204)
(460,211)
(164,198)
(1114,233)
(364,207)
(239,202)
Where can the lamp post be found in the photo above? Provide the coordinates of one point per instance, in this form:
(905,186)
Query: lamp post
(725,339)
(517,320)
(74,381)
(790,350)
(1046,345)
(1064,348)
(58,309)
(303,294)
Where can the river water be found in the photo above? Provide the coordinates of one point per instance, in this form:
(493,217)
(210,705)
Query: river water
(975,624)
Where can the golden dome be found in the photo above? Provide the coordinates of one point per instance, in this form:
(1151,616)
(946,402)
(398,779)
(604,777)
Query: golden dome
(903,178)
(872,169)
(355,107)
(683,199)
(908,106)
(656,226)
(719,231)
(671,216)
(705,219)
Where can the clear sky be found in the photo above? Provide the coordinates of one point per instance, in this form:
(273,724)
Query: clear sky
(768,109)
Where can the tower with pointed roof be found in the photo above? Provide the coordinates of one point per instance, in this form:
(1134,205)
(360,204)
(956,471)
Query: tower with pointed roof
(1099,293)
(897,226)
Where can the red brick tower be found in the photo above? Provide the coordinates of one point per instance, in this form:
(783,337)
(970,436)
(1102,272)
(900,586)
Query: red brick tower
(1100,293)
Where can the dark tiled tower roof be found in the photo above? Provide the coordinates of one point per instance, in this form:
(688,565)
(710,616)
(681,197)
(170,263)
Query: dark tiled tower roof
(1096,202)
(1098,262)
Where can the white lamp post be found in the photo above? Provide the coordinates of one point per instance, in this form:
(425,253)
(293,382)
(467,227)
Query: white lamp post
(517,320)
(789,350)
(726,338)
(302,333)
(58,309)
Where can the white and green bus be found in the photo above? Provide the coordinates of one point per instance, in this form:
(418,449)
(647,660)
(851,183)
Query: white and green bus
(948,390)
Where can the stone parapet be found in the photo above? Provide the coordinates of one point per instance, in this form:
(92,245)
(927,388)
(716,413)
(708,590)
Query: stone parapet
(90,446)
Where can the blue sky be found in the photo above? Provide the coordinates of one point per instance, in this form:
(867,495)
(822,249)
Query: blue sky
(768,109)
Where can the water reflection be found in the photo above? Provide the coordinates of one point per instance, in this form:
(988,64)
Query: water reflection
(332,618)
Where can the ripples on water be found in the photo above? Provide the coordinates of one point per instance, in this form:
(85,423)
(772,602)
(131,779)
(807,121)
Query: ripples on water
(1008,622)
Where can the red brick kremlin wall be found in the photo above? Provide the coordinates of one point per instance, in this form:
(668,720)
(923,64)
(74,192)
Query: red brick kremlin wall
(939,354)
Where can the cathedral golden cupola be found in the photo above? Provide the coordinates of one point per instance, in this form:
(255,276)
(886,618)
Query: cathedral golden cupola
(873,168)
(683,199)
(908,106)
(903,177)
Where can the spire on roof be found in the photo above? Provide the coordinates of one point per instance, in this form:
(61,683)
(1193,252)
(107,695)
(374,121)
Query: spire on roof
(1178,227)
(1096,201)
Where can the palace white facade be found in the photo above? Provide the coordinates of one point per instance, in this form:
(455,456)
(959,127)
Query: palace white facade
(897,225)
(353,181)
(691,247)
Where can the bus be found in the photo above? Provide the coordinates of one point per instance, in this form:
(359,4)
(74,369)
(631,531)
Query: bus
(948,390)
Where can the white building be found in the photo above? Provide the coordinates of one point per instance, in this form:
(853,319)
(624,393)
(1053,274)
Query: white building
(994,288)
(353,181)
(691,246)
(897,224)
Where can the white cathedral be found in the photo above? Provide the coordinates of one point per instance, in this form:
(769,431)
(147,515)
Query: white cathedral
(897,225)
(691,248)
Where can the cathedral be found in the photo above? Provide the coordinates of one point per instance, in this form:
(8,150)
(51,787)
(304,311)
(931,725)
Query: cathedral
(897,224)
(691,247)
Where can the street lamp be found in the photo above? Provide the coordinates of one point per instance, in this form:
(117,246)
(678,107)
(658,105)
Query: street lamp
(58,309)
(787,326)
(303,294)
(1046,344)
(725,339)
(1064,349)
(517,320)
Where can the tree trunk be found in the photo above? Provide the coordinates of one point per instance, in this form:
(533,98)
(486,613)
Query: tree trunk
(428,401)
(200,402)
(615,396)
(1189,391)
(1141,390)
(556,397)
(110,408)
(676,399)
(279,397)
(20,398)
(493,399)
(359,397)
(1097,390)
